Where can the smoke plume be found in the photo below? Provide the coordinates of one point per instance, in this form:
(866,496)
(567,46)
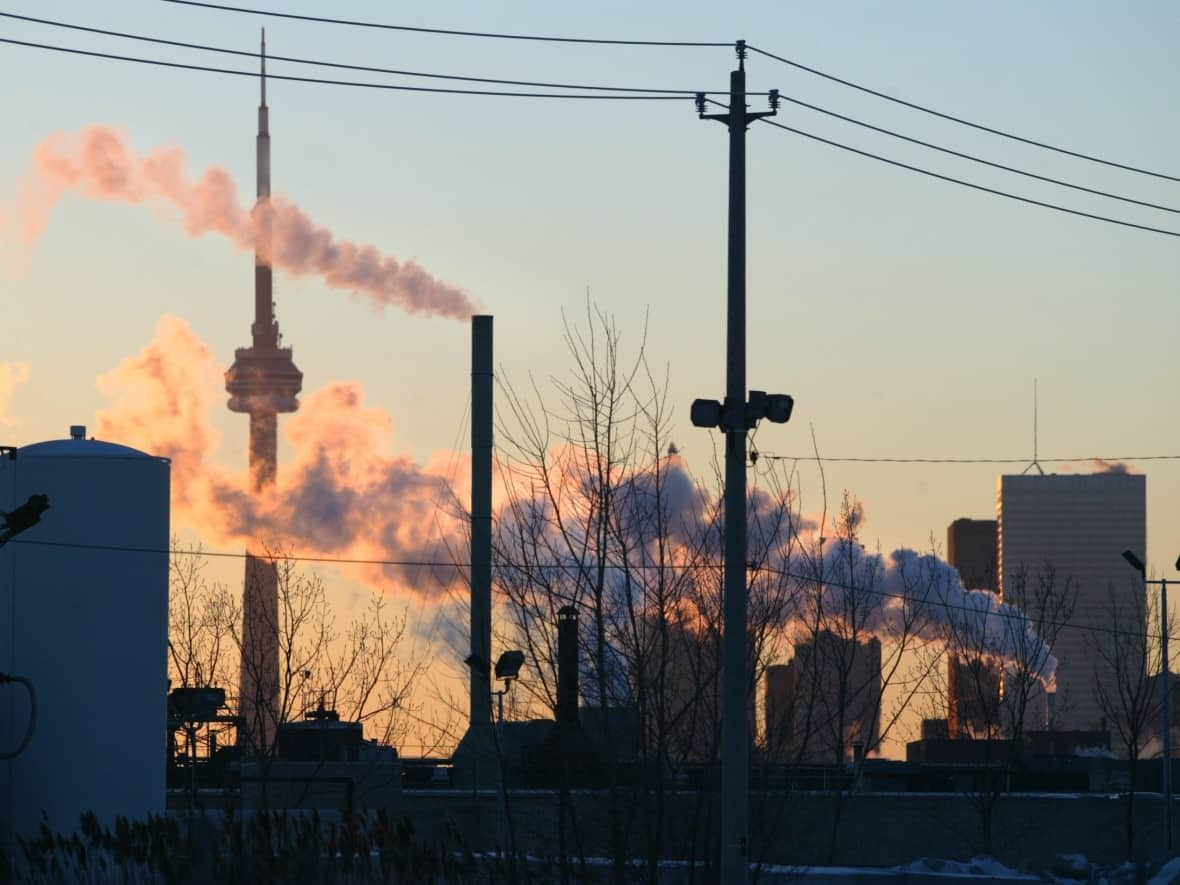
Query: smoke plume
(12,375)
(341,496)
(923,596)
(1102,466)
(98,164)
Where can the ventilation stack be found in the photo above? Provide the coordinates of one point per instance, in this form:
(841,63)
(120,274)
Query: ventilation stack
(476,762)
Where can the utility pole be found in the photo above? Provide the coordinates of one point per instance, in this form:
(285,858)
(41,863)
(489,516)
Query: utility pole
(1167,713)
(735,417)
(1165,691)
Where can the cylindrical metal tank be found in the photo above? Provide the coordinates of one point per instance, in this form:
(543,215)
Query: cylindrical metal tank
(84,616)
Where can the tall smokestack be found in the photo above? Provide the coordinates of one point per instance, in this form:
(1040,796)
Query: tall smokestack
(567,666)
(481,520)
(262,382)
(476,762)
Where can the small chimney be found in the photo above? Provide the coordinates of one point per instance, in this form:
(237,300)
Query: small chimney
(567,666)
(77,431)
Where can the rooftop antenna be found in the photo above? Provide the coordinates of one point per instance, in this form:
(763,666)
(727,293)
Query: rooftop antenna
(1035,463)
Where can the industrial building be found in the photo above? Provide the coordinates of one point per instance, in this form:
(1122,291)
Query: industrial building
(84,616)
(826,701)
(1071,530)
(973,684)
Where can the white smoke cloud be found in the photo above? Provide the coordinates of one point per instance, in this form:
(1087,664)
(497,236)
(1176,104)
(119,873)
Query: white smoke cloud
(342,496)
(924,596)
(99,164)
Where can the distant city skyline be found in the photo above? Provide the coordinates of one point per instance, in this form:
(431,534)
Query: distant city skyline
(907,317)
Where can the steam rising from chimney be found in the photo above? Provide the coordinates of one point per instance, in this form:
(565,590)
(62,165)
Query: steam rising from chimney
(100,165)
(925,595)
(342,496)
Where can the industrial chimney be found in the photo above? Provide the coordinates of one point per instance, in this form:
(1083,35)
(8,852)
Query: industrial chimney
(567,666)
(475,761)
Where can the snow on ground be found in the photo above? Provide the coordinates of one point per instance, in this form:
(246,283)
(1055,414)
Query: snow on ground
(1169,873)
(977,866)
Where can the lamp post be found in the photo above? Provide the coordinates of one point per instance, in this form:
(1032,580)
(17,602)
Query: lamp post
(1165,689)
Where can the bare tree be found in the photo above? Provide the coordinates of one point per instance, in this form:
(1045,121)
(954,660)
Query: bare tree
(863,626)
(363,671)
(1016,636)
(603,515)
(201,616)
(1126,662)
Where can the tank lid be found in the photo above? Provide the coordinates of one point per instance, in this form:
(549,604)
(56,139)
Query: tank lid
(78,447)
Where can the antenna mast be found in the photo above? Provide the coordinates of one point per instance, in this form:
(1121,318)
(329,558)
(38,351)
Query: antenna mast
(1035,463)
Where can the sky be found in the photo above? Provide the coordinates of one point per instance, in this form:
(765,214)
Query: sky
(907,316)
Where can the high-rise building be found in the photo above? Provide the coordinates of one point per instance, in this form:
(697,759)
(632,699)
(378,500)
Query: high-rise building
(263,382)
(973,684)
(825,701)
(1071,530)
(972,547)
(779,710)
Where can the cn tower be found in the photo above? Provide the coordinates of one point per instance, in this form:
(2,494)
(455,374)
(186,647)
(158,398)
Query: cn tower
(262,382)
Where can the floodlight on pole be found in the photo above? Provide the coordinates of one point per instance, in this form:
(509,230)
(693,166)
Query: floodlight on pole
(22,518)
(1137,563)
(508,665)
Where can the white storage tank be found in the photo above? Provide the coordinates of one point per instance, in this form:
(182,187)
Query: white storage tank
(84,616)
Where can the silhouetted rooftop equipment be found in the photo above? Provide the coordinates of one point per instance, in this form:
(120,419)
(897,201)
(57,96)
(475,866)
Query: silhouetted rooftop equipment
(23,517)
(509,664)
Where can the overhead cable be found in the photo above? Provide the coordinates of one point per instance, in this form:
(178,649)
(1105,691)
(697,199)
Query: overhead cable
(397,87)
(570,567)
(346,66)
(589,88)
(945,116)
(447,31)
(974,159)
(979,187)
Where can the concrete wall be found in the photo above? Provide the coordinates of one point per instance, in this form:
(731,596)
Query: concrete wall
(799,828)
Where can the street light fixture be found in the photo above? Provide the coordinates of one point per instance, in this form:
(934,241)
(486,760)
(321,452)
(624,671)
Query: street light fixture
(22,518)
(507,670)
(1165,689)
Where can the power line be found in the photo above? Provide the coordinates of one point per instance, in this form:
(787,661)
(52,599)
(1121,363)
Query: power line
(345,66)
(446,31)
(633,93)
(976,159)
(354,83)
(773,457)
(954,119)
(571,567)
(979,187)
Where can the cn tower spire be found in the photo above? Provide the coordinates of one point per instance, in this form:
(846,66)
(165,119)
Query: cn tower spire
(263,130)
(263,56)
(263,383)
